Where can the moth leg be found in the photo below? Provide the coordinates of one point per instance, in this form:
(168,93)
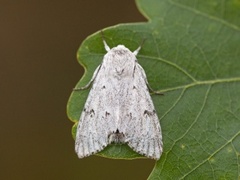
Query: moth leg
(91,81)
(146,81)
(152,91)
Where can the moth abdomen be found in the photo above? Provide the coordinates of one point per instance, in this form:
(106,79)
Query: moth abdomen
(116,137)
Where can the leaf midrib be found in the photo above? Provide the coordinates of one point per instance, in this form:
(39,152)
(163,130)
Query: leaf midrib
(196,83)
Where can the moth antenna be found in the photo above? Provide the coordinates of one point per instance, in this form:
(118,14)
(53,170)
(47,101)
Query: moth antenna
(138,49)
(104,42)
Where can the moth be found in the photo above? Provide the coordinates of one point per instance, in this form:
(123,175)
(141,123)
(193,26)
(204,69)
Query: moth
(119,108)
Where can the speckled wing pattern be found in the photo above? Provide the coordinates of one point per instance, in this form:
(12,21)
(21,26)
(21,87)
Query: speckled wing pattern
(119,108)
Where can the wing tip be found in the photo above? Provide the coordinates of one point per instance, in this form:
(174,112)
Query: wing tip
(83,153)
(154,154)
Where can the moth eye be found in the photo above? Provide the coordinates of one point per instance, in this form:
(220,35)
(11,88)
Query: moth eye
(104,87)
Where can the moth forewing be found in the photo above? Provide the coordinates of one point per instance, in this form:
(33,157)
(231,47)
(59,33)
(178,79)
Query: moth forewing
(119,108)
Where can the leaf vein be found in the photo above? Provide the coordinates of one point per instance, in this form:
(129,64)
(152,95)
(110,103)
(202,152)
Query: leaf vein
(207,159)
(174,104)
(191,125)
(234,79)
(173,65)
(233,26)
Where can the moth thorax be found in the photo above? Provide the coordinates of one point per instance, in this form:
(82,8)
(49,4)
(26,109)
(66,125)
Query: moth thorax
(116,137)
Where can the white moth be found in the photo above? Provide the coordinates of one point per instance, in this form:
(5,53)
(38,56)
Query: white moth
(119,108)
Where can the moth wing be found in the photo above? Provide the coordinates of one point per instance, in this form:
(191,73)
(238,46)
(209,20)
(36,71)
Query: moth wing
(97,119)
(142,127)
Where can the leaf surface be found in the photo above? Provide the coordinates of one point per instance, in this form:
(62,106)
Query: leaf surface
(192,55)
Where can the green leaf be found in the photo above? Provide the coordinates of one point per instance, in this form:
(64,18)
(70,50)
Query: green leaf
(192,54)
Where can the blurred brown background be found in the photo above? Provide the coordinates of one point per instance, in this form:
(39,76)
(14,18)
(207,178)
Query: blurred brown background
(38,69)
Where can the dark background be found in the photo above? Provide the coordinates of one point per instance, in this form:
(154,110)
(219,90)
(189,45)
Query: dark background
(38,69)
